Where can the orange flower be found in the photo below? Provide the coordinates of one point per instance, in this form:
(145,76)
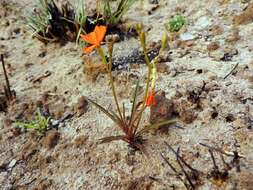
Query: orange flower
(151,99)
(94,38)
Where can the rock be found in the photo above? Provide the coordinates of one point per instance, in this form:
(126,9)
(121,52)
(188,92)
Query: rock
(163,68)
(234,36)
(216,30)
(202,23)
(185,111)
(216,55)
(186,36)
(51,139)
(12,164)
(228,54)
(81,106)
(162,110)
(213,46)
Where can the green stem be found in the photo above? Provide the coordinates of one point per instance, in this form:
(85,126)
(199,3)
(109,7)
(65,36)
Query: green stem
(109,66)
(143,44)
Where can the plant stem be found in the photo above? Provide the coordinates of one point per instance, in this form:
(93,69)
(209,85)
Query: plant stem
(109,66)
(143,44)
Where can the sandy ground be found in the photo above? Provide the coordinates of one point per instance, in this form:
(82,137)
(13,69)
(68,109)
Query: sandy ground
(212,108)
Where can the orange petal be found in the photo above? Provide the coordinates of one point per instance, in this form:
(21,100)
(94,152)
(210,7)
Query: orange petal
(150,99)
(100,33)
(89,49)
(90,38)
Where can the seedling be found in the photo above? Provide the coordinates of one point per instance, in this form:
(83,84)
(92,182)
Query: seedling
(40,123)
(128,124)
(176,23)
(113,16)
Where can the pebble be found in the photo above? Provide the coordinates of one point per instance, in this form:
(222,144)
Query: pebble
(202,23)
(162,110)
(187,36)
(12,164)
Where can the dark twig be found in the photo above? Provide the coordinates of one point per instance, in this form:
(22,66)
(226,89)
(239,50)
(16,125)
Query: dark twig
(175,171)
(236,65)
(217,149)
(182,160)
(192,175)
(184,171)
(226,165)
(216,168)
(7,88)
(236,161)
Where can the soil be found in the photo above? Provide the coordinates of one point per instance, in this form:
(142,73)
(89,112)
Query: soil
(206,79)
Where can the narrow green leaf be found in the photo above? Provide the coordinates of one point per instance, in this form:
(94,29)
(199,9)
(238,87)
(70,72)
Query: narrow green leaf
(111,116)
(156,126)
(112,138)
(134,103)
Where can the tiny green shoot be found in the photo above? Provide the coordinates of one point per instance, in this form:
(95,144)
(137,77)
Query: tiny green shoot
(176,23)
(40,123)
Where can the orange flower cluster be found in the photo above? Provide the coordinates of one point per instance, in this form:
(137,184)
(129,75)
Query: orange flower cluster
(94,38)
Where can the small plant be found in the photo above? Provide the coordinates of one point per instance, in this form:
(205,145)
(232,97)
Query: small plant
(129,124)
(50,23)
(40,123)
(176,23)
(110,15)
(80,18)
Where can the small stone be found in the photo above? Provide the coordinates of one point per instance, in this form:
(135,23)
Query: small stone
(216,55)
(51,139)
(162,68)
(186,37)
(234,36)
(54,122)
(12,164)
(185,111)
(81,106)
(213,46)
(202,23)
(216,30)
(61,125)
(162,110)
